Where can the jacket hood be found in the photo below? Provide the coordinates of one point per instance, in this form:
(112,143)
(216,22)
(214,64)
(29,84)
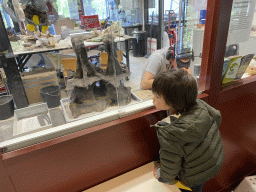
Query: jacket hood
(191,126)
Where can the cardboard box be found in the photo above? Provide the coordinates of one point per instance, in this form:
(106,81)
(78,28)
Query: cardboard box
(33,84)
(247,185)
(153,47)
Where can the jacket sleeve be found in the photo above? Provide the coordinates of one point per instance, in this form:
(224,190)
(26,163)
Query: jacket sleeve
(170,156)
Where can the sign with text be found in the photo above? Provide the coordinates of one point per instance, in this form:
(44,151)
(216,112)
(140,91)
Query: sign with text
(90,21)
(241,21)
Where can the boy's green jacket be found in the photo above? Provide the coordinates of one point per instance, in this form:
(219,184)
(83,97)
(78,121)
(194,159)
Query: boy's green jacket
(191,146)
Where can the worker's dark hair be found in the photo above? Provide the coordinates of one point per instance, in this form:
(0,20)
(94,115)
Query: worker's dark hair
(178,88)
(170,53)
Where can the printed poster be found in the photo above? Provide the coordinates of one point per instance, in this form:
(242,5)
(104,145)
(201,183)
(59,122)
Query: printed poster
(151,45)
(240,21)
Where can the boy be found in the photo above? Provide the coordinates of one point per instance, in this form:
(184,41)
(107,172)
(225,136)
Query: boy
(190,143)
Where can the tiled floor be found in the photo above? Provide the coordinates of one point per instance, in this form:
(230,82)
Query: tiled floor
(137,65)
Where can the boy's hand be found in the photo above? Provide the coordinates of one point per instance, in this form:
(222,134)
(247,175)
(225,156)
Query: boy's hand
(154,172)
(157,165)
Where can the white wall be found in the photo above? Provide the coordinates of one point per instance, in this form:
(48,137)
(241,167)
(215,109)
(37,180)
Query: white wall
(200,5)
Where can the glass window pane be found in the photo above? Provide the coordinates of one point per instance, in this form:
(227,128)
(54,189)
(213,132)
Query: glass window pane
(239,61)
(82,94)
(194,33)
(95,7)
(153,12)
(47,64)
(185,28)
(6,18)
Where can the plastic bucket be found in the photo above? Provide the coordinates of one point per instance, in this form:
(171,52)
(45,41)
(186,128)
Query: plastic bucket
(6,107)
(51,95)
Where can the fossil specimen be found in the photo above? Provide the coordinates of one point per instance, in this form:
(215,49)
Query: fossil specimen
(93,89)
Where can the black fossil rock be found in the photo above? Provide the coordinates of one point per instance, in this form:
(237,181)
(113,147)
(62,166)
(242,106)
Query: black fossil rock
(93,88)
(113,66)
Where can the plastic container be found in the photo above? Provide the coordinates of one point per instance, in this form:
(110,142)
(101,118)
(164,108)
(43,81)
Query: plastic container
(139,46)
(31,119)
(6,107)
(52,30)
(51,95)
(197,69)
(202,16)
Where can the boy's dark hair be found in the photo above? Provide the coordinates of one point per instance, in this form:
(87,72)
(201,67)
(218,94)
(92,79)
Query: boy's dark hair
(177,87)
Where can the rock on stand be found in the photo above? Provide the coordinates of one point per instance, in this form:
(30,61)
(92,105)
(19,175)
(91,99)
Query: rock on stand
(93,89)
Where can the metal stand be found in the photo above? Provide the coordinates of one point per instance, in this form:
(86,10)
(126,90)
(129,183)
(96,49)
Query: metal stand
(14,82)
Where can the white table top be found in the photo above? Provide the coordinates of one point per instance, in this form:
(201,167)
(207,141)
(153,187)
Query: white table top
(117,39)
(57,48)
(39,50)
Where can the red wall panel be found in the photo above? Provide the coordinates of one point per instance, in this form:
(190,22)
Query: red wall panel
(6,184)
(239,139)
(92,156)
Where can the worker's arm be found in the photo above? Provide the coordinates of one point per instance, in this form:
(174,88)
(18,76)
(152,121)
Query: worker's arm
(147,80)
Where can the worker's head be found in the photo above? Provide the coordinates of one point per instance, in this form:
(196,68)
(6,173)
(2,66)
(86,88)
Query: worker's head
(183,63)
(170,55)
(177,88)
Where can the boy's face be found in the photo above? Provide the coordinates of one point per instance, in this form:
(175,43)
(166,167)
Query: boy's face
(160,103)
